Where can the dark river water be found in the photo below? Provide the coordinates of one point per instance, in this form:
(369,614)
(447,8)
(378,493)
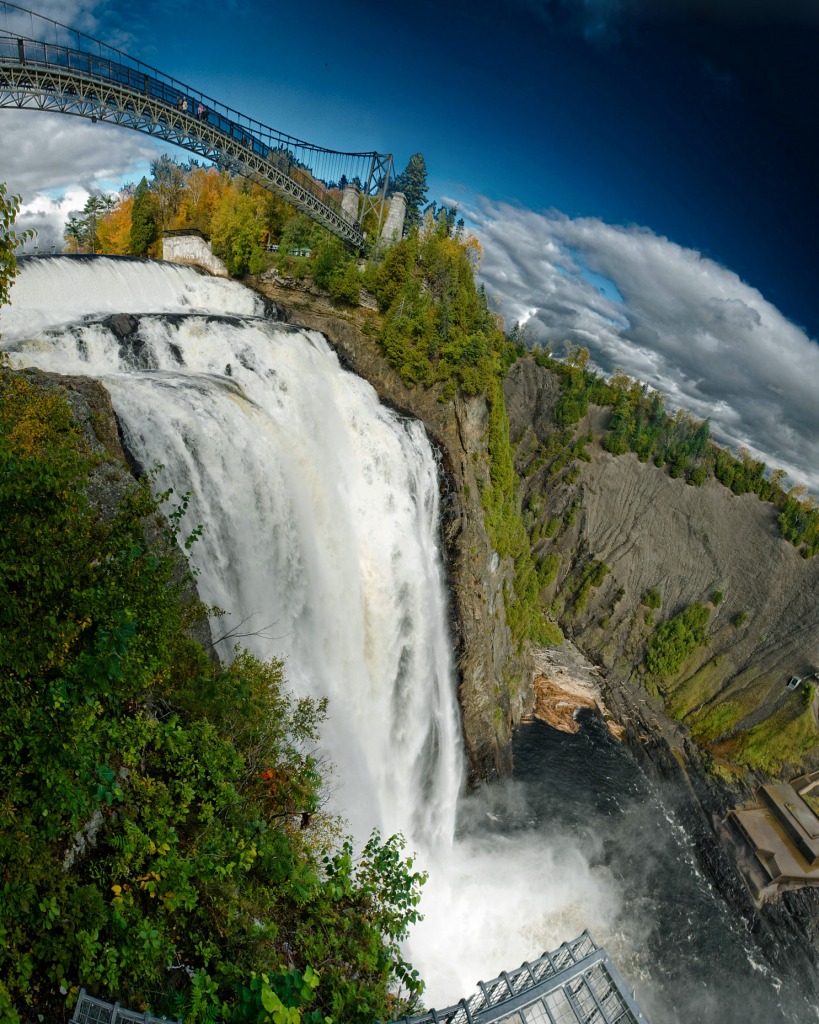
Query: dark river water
(688,957)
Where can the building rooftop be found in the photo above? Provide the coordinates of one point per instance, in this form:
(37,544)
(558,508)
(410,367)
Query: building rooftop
(796,816)
(776,839)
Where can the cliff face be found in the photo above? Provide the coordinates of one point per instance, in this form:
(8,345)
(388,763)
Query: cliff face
(648,533)
(689,545)
(495,680)
(728,702)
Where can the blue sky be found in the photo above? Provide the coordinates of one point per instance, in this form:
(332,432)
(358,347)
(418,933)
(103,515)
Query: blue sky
(699,126)
(703,127)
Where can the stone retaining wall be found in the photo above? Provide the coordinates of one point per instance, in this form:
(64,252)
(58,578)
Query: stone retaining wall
(192,249)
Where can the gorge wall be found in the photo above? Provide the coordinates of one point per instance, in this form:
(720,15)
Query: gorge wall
(686,545)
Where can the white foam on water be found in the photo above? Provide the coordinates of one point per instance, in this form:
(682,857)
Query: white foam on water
(320,509)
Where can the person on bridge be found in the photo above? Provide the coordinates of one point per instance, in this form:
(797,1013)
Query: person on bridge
(200,110)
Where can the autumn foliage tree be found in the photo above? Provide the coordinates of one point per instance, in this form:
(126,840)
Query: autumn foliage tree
(114,229)
(241,218)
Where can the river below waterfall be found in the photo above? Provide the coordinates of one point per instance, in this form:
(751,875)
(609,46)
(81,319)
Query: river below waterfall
(672,937)
(321,540)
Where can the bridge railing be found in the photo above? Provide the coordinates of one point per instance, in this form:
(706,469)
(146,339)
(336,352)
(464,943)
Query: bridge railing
(25,37)
(50,55)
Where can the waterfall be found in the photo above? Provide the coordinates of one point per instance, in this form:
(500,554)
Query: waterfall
(320,515)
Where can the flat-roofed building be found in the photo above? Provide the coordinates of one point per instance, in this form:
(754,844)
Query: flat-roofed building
(776,838)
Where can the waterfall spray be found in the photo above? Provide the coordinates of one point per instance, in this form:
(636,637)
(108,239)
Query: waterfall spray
(320,509)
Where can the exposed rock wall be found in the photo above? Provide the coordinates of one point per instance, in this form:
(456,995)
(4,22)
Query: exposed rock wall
(653,531)
(195,250)
(688,543)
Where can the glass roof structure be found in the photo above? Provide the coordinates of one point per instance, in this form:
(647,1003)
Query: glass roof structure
(96,1011)
(575,984)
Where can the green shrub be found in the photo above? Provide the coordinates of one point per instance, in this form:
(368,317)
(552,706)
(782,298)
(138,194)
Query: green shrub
(548,568)
(651,598)
(675,639)
(157,811)
(345,285)
(551,527)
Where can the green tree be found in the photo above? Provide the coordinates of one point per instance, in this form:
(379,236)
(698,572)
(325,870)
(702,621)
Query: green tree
(412,181)
(168,185)
(675,639)
(330,256)
(157,812)
(345,284)
(81,232)
(237,231)
(143,220)
(9,241)
(297,233)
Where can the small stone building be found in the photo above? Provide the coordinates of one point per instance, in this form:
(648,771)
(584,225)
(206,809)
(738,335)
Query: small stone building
(776,838)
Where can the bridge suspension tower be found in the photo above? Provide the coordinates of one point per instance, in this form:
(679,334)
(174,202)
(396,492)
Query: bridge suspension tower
(45,65)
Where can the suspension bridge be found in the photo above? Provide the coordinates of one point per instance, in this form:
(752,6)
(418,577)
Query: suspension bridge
(45,65)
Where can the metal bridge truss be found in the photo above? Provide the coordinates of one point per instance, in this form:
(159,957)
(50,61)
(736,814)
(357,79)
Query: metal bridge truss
(90,79)
(575,984)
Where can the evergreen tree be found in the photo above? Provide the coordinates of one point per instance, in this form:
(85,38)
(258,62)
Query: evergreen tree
(143,220)
(413,183)
(81,232)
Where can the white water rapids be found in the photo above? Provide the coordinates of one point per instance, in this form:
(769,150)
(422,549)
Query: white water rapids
(320,514)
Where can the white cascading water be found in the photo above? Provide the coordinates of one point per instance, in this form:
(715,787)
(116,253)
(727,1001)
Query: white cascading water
(320,509)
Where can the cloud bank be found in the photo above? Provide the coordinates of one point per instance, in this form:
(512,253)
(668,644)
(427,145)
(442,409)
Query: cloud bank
(665,315)
(55,162)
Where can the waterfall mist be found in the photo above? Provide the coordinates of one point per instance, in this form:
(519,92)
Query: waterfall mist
(321,541)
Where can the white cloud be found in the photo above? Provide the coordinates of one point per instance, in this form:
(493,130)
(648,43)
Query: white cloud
(54,162)
(73,13)
(686,326)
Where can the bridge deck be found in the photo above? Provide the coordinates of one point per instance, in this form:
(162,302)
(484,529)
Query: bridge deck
(78,75)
